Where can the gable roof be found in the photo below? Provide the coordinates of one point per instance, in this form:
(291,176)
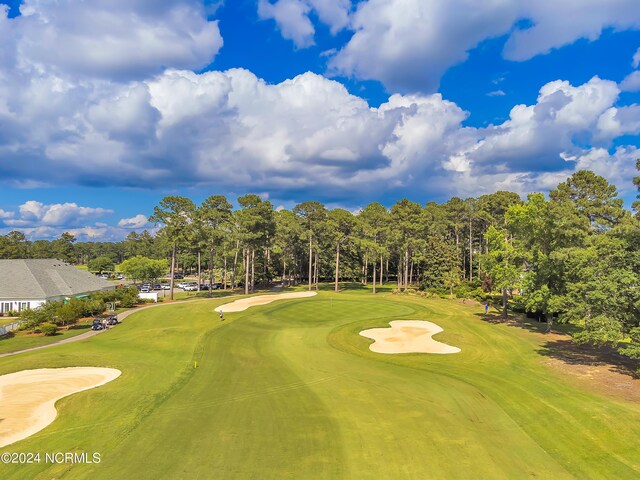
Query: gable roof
(45,278)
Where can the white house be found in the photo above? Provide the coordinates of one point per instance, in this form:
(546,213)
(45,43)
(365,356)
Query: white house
(28,283)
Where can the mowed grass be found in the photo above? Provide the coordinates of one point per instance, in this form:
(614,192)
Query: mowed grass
(19,340)
(290,390)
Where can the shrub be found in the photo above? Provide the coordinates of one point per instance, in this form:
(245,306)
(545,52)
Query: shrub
(462,291)
(518,304)
(36,316)
(48,329)
(427,294)
(129,297)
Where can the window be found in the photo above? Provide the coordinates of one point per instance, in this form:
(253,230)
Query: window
(6,307)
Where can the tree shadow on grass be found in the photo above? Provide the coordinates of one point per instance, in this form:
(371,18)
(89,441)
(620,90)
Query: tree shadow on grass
(529,324)
(570,353)
(560,347)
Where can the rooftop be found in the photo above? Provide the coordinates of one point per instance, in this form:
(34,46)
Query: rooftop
(45,278)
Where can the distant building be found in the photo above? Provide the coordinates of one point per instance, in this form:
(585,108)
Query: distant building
(30,283)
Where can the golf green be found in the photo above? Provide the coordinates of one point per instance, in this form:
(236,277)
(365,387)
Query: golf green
(291,390)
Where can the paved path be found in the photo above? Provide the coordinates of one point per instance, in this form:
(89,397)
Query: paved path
(91,333)
(83,336)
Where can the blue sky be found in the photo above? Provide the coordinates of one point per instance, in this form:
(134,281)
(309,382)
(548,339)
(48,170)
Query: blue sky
(107,106)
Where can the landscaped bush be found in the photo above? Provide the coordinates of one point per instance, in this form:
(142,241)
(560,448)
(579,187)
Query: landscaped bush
(42,314)
(129,297)
(48,329)
(462,291)
(70,311)
(479,295)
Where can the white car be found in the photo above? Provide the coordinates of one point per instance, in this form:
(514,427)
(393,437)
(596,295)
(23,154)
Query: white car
(190,288)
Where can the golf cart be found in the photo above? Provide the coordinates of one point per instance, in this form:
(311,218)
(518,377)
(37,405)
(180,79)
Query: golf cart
(97,324)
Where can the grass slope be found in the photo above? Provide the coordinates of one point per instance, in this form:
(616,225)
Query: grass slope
(20,340)
(290,390)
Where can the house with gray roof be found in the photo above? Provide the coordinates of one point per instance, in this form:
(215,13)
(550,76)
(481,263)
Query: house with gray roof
(29,283)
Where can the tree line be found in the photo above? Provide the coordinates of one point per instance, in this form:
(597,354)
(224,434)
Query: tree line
(573,256)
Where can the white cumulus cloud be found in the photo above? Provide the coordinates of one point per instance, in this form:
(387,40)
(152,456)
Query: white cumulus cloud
(409,44)
(292,17)
(233,131)
(137,222)
(6,215)
(110,38)
(617,167)
(34,214)
(631,82)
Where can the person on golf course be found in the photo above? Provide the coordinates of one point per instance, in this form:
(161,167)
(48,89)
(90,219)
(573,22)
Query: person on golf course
(221,317)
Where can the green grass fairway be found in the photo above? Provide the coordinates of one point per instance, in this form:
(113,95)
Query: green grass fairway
(290,390)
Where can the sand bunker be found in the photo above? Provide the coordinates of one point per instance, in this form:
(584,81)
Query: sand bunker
(244,303)
(27,398)
(407,336)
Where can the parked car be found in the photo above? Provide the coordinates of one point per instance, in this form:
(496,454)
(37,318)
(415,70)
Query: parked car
(165,286)
(156,286)
(204,286)
(182,284)
(120,276)
(216,286)
(177,276)
(145,290)
(190,287)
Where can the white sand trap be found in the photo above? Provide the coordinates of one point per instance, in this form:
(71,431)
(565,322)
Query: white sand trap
(407,336)
(27,398)
(244,303)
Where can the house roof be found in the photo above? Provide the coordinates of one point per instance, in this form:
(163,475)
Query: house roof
(45,278)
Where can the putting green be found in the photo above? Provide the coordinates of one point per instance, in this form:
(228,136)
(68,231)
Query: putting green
(291,390)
